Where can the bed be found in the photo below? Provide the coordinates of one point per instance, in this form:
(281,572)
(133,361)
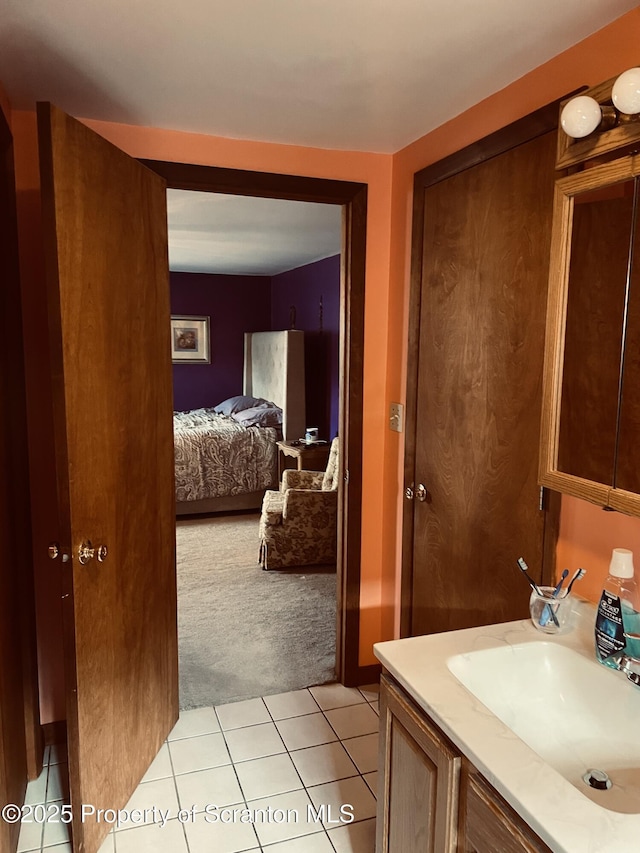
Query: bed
(225,459)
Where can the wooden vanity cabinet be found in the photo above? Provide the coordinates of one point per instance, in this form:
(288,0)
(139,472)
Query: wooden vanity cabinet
(489,824)
(430,798)
(418,797)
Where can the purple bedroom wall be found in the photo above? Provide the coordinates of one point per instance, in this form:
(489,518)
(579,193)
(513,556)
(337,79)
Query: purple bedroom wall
(236,304)
(298,292)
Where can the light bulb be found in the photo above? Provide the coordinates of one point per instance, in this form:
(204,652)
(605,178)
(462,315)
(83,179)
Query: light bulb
(626,92)
(580,116)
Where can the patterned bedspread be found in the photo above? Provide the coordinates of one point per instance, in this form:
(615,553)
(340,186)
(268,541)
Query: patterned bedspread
(216,456)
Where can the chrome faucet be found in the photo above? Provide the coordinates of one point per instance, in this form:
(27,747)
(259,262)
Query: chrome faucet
(631,668)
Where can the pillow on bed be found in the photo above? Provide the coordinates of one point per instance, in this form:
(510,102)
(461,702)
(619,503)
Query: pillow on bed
(263,415)
(237,404)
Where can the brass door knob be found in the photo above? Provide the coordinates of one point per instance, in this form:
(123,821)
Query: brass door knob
(86,552)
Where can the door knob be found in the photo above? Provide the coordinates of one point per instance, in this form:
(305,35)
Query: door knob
(421,492)
(86,552)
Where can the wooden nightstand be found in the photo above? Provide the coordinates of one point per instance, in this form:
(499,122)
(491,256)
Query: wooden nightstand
(306,457)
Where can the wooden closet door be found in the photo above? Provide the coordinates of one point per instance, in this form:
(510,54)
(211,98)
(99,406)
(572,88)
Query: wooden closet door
(485,265)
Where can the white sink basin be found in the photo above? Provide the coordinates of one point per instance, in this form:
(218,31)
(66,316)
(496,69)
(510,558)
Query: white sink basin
(574,713)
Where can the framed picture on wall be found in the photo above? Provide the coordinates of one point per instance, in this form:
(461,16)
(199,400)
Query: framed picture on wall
(190,340)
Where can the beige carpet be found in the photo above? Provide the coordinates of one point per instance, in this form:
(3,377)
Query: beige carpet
(243,632)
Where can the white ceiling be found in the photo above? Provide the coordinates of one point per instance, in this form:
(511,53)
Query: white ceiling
(368,75)
(214,233)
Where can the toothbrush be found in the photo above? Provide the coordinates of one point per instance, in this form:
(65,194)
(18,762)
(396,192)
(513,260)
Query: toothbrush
(548,613)
(524,568)
(563,577)
(579,574)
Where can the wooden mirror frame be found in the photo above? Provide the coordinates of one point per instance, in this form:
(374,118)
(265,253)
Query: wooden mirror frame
(566,190)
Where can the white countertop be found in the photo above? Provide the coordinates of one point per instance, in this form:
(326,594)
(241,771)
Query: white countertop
(565,819)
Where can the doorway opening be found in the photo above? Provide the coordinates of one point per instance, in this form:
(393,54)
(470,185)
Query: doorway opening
(259,281)
(352,198)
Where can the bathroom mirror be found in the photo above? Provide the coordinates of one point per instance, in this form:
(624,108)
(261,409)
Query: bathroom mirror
(627,472)
(590,444)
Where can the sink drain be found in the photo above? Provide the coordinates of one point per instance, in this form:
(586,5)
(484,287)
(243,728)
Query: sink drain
(597,779)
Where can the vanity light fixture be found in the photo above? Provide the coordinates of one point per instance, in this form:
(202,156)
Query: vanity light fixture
(583,115)
(626,92)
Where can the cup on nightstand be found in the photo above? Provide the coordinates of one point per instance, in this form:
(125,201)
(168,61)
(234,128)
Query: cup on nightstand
(311,434)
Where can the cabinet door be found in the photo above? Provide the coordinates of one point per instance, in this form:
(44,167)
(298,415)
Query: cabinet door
(418,801)
(491,825)
(591,407)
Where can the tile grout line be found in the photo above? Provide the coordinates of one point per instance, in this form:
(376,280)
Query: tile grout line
(46,795)
(233,764)
(175,785)
(306,788)
(288,753)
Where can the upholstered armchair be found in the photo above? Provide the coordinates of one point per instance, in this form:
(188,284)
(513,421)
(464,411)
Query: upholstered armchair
(298,525)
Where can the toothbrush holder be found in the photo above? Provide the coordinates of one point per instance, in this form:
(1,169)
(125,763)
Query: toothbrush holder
(544,605)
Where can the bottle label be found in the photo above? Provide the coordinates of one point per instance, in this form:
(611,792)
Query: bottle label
(609,630)
(631,625)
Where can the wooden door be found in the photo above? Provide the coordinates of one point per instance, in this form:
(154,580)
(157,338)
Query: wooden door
(485,258)
(104,218)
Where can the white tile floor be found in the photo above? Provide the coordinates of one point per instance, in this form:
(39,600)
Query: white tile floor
(307,753)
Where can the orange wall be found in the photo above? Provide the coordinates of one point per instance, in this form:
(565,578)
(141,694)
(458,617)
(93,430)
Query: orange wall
(587,536)
(597,58)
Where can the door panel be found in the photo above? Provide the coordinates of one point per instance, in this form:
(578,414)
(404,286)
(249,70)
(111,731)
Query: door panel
(104,218)
(482,323)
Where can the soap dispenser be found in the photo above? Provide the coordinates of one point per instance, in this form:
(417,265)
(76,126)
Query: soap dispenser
(617,629)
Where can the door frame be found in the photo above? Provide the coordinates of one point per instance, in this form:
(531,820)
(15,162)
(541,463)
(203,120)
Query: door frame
(17,561)
(352,197)
(517,133)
